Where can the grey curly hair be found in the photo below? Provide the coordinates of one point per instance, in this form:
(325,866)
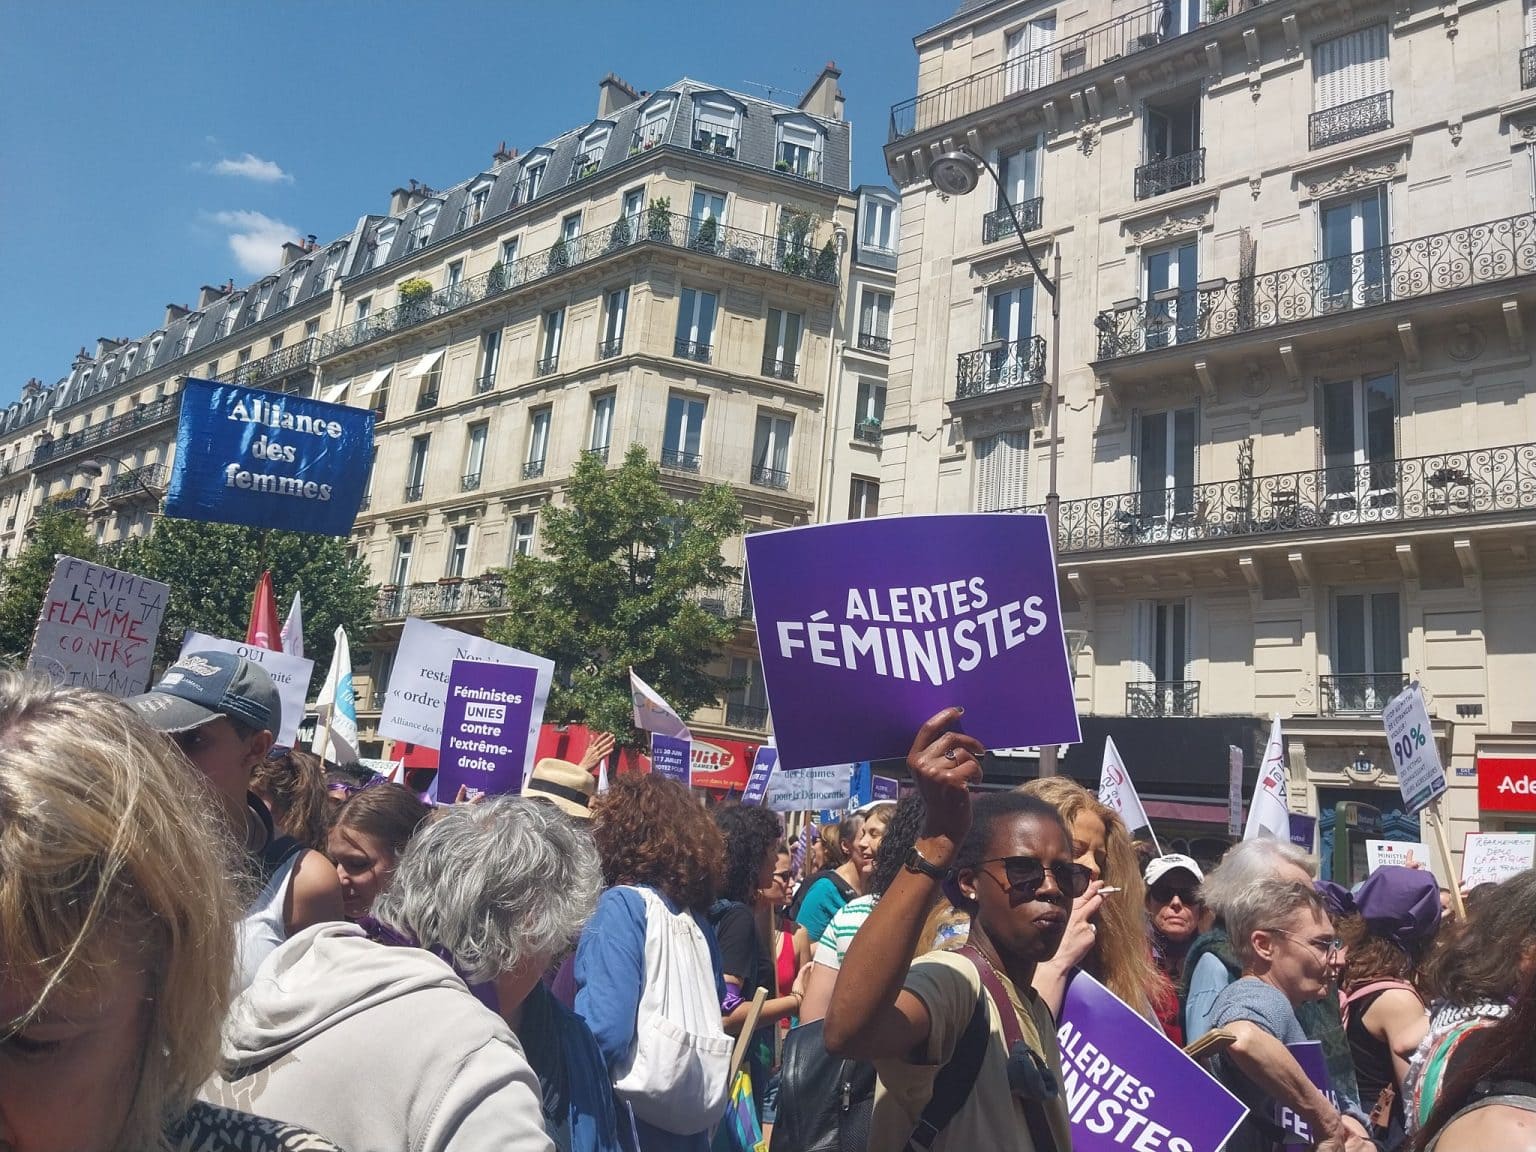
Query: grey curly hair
(494,884)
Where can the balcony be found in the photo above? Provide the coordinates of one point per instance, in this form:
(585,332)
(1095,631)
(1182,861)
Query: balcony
(136,482)
(426,400)
(997,224)
(600,451)
(691,350)
(485,383)
(413,493)
(1528,67)
(715,139)
(274,365)
(1359,694)
(469,482)
(1349,121)
(769,477)
(141,417)
(1160,176)
(585,165)
(732,602)
(546,365)
(868,430)
(70,501)
(656,225)
(780,369)
(999,366)
(440,599)
(1452,486)
(1467,257)
(680,461)
(608,349)
(869,342)
(365,503)
(533,469)
(1157,698)
(751,716)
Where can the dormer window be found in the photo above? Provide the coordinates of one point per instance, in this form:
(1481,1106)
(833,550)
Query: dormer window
(532,182)
(651,129)
(426,217)
(472,211)
(716,125)
(380,243)
(263,298)
(189,337)
(154,350)
(128,362)
(799,147)
(231,311)
(332,262)
(877,224)
(589,151)
(295,282)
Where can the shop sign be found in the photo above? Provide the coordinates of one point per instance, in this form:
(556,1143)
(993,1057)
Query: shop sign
(1506,783)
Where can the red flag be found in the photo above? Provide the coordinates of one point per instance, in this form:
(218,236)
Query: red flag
(264,630)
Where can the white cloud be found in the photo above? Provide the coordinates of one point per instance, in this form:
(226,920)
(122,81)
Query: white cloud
(255,239)
(250,167)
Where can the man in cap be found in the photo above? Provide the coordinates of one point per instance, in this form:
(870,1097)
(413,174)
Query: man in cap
(222,712)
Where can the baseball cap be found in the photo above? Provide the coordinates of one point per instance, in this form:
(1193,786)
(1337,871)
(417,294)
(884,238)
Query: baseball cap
(1160,866)
(203,686)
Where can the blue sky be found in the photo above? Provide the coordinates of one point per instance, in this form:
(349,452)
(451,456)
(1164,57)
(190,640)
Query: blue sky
(149,148)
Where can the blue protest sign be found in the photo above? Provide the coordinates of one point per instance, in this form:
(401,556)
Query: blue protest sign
(486,718)
(868,628)
(859,786)
(270,460)
(762,771)
(1126,1084)
(670,756)
(885,788)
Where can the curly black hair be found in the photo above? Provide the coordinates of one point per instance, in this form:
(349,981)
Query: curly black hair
(750,834)
(901,832)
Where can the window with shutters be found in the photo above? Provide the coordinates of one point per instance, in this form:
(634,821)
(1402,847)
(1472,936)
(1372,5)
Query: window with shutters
(1159,684)
(1351,92)
(1002,465)
(1030,61)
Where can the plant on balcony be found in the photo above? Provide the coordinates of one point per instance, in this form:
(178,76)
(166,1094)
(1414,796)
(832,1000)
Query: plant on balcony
(497,280)
(658,218)
(587,169)
(781,166)
(622,572)
(1216,8)
(826,263)
(415,290)
(559,257)
(619,237)
(708,233)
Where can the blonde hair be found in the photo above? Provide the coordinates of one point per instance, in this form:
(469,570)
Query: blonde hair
(110,848)
(1122,956)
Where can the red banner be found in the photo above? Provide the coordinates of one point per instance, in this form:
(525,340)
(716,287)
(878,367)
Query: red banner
(1506,783)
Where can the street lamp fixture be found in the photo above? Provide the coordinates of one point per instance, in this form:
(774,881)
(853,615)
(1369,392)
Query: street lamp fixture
(957,173)
(94,467)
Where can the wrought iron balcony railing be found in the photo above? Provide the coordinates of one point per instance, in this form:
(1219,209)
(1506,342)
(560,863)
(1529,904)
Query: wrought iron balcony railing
(136,482)
(1528,67)
(533,469)
(1000,365)
(608,349)
(998,223)
(469,482)
(426,400)
(546,365)
(69,501)
(657,225)
(867,430)
(731,601)
(1348,121)
(1478,254)
(691,350)
(752,716)
(439,599)
(141,417)
(485,383)
(680,461)
(413,492)
(769,477)
(1150,698)
(870,342)
(1366,693)
(1169,175)
(274,365)
(1449,485)
(365,503)
(780,369)
(600,451)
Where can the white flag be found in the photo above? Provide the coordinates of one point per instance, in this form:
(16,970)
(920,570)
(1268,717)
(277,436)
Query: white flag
(1116,790)
(602,776)
(652,713)
(293,629)
(336,732)
(1269,812)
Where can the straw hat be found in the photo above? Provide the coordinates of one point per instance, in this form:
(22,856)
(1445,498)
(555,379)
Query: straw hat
(567,786)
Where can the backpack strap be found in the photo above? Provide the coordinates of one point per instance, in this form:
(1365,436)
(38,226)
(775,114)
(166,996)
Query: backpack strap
(1040,1133)
(1360,993)
(952,1086)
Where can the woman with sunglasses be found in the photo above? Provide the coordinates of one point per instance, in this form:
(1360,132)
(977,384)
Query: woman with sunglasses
(1008,862)
(1173,908)
(1285,943)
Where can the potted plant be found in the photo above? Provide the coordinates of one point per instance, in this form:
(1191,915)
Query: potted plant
(1216,8)
(826,263)
(620,235)
(704,239)
(587,169)
(415,290)
(634,151)
(658,223)
(781,166)
(497,280)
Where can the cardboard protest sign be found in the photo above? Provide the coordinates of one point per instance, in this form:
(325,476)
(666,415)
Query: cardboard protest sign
(1420,775)
(869,627)
(290,675)
(885,788)
(1127,1085)
(1493,857)
(418,685)
(671,756)
(762,771)
(806,789)
(486,727)
(97,627)
(1309,1054)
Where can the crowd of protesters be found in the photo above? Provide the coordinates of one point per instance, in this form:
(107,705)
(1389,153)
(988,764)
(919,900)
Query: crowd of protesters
(208,947)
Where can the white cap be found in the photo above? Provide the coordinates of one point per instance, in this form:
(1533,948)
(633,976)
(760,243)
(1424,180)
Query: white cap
(1160,866)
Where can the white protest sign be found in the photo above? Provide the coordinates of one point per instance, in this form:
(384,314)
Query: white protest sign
(289,673)
(97,627)
(1420,775)
(807,789)
(1493,857)
(418,686)
(1399,854)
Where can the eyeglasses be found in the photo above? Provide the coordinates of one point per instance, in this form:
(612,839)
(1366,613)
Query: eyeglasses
(784,875)
(1164,894)
(1327,948)
(1026,874)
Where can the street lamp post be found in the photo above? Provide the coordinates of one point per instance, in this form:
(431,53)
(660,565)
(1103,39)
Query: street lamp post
(957,173)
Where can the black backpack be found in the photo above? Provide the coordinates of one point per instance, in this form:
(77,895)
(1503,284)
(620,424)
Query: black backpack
(826,1103)
(844,888)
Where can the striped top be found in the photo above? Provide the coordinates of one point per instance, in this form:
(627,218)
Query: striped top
(833,945)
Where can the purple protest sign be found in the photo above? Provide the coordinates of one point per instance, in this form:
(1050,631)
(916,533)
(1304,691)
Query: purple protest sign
(670,757)
(762,770)
(1309,1054)
(1303,830)
(884,788)
(1126,1084)
(486,718)
(868,628)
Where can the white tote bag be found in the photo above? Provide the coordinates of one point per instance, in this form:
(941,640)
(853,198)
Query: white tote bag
(676,1078)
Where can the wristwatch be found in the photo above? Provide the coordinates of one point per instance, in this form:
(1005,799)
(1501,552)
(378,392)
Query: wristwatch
(917,862)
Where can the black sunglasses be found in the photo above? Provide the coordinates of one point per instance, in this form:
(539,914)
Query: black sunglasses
(1026,874)
(1164,894)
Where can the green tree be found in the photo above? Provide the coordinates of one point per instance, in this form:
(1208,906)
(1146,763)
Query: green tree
(53,532)
(212,570)
(618,588)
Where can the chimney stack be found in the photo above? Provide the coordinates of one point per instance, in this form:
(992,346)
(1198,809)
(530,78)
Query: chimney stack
(823,98)
(612,95)
(399,201)
(174,312)
(292,250)
(503,154)
(209,294)
(311,243)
